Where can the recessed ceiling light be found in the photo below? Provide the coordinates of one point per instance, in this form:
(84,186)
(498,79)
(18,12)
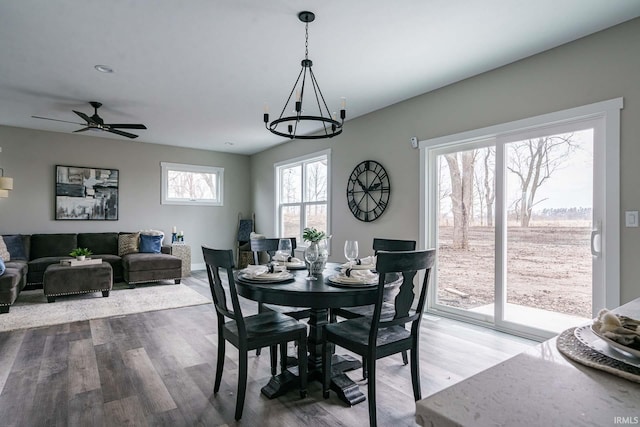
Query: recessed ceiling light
(104,68)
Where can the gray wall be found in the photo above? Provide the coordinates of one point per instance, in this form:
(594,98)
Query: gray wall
(30,156)
(596,68)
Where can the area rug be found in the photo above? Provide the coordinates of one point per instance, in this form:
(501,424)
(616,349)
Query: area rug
(31,309)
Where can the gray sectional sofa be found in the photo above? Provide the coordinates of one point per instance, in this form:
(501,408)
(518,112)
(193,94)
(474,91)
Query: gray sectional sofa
(26,269)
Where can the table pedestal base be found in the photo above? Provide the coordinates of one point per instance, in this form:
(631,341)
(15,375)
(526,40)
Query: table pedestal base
(341,384)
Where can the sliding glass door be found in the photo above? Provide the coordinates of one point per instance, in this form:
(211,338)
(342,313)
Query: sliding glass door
(517,221)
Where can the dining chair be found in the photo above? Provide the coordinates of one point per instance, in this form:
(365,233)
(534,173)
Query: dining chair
(267,329)
(376,337)
(270,247)
(379,244)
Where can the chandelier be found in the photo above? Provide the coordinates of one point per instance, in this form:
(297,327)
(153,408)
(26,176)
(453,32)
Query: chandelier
(300,121)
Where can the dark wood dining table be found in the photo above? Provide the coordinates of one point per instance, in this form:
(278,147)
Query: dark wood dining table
(320,297)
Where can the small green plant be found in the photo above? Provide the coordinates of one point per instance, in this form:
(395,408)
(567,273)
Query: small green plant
(80,252)
(313,235)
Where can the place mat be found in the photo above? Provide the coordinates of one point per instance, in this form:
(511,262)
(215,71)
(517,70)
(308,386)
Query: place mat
(570,346)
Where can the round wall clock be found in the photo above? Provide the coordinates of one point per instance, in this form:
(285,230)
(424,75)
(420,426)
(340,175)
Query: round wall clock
(368,191)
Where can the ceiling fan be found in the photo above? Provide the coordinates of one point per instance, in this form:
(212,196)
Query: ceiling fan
(96,122)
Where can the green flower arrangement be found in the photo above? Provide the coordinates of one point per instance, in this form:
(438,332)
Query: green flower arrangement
(80,252)
(313,235)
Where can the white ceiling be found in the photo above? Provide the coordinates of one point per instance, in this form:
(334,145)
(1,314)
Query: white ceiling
(198,72)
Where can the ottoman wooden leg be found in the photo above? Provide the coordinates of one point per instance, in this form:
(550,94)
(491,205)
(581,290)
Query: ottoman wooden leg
(105,293)
(51,299)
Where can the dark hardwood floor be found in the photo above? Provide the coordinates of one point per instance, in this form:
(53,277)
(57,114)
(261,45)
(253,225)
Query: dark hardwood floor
(158,368)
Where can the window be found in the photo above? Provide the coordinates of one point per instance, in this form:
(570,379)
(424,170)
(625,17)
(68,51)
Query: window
(302,194)
(191,184)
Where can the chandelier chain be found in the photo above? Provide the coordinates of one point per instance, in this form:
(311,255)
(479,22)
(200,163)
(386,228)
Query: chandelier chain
(306,41)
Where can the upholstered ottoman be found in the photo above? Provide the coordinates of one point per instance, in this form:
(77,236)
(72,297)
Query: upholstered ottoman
(66,280)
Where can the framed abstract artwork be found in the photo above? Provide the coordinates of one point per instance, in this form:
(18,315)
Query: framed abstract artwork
(84,193)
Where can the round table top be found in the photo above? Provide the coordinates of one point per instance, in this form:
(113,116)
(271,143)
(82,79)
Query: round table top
(308,293)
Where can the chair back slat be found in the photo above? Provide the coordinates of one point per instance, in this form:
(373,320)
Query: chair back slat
(215,261)
(270,246)
(408,264)
(393,245)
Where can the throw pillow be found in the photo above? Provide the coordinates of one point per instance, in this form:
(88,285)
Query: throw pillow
(150,244)
(153,233)
(2,267)
(4,252)
(15,246)
(128,243)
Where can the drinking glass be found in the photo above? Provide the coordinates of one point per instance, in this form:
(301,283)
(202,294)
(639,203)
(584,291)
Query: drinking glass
(284,250)
(311,255)
(351,251)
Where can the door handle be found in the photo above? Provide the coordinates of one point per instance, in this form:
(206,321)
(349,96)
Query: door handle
(596,234)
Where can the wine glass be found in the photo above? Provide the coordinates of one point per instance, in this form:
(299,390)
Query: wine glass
(351,251)
(311,255)
(284,249)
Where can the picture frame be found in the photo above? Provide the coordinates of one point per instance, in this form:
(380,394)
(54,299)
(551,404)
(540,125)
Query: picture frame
(86,193)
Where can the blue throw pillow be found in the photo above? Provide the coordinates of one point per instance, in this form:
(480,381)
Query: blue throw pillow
(2,267)
(150,244)
(15,246)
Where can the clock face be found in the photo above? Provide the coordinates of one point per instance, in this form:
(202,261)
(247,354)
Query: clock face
(368,191)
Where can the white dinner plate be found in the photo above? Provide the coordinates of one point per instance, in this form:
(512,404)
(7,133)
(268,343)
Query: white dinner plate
(266,277)
(344,281)
(587,336)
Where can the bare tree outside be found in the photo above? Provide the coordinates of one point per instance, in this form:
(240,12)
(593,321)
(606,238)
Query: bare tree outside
(461,171)
(533,162)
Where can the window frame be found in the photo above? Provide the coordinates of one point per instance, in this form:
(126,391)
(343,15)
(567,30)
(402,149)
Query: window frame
(303,204)
(182,167)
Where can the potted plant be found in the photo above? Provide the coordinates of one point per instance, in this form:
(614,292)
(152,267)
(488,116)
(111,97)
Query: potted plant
(317,239)
(80,253)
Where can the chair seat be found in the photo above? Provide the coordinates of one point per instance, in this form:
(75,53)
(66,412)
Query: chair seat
(364,311)
(297,313)
(265,328)
(353,335)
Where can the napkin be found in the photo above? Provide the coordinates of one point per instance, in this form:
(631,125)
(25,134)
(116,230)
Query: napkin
(287,259)
(357,276)
(362,263)
(253,271)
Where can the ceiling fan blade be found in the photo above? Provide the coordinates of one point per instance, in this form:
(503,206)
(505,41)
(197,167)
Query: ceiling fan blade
(56,120)
(127,134)
(127,126)
(84,116)
(81,130)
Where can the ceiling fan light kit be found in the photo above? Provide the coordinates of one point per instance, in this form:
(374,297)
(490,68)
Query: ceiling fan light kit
(95,122)
(330,124)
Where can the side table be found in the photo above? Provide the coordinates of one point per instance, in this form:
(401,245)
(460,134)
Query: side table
(183,252)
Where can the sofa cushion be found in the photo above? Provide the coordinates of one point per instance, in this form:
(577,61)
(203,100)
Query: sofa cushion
(52,245)
(150,243)
(128,243)
(146,261)
(99,243)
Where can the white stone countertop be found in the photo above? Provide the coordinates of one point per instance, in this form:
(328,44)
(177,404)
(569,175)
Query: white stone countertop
(539,387)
